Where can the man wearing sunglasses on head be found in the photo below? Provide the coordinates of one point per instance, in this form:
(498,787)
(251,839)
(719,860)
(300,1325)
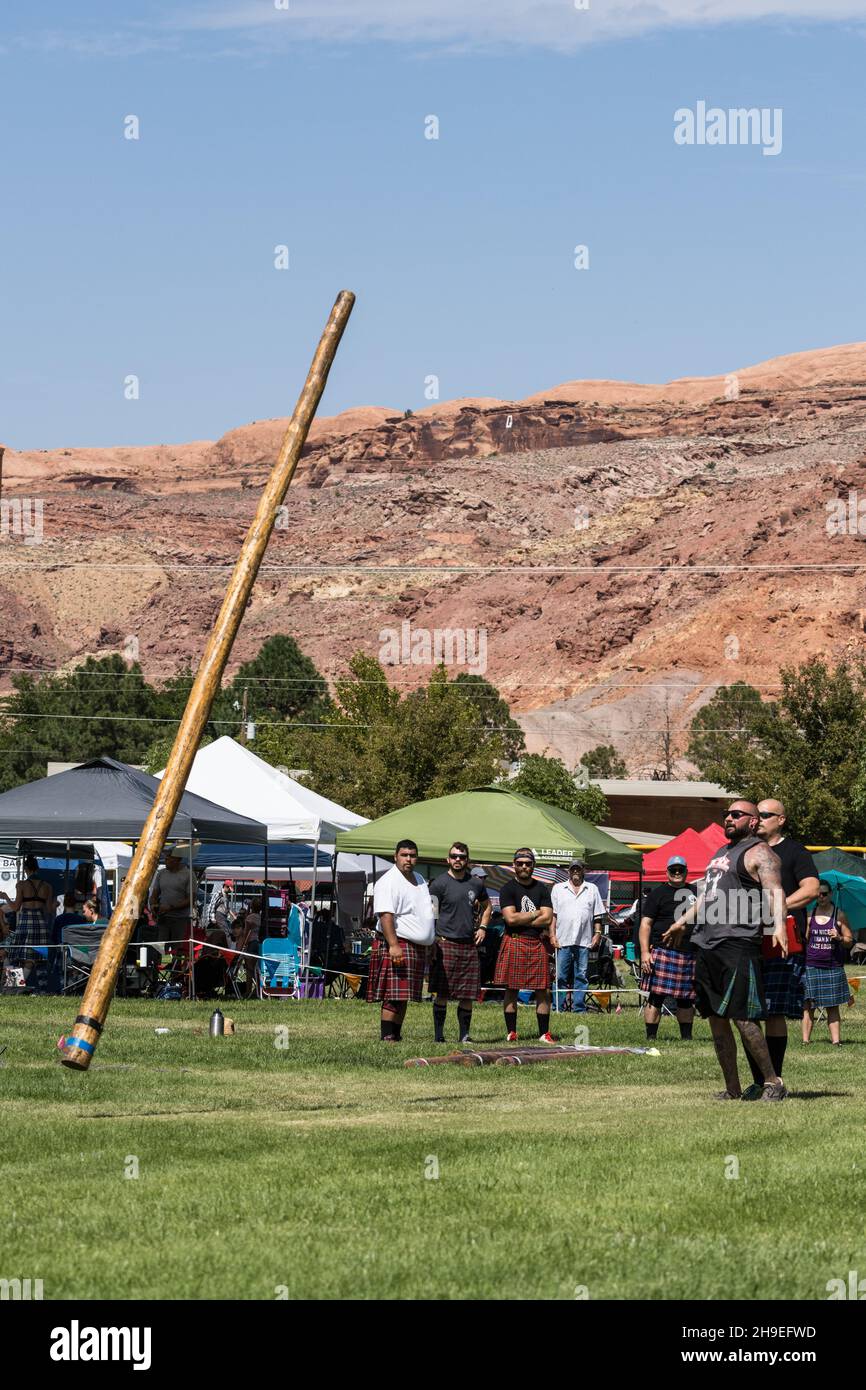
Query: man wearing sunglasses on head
(523,961)
(784,975)
(461,928)
(727,918)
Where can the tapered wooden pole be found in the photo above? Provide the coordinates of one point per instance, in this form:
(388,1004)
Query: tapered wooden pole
(79,1046)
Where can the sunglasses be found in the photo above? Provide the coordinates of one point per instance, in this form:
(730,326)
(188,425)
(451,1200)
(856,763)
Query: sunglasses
(768,815)
(737,815)
(458,856)
(676,869)
(523,863)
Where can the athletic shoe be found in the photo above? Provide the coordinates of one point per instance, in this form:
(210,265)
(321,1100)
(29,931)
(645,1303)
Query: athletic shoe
(467,1039)
(774,1091)
(391,1040)
(548,1038)
(725,1095)
(512,1037)
(753,1092)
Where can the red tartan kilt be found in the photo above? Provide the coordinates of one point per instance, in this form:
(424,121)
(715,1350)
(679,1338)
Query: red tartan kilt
(523,963)
(387,981)
(455,970)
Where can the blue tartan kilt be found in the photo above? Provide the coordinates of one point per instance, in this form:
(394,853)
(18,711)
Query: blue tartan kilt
(826,986)
(783,986)
(673,972)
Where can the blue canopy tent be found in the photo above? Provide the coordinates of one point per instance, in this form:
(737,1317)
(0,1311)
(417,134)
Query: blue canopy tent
(849,893)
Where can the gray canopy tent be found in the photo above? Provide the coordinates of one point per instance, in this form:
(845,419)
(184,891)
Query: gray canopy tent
(108,800)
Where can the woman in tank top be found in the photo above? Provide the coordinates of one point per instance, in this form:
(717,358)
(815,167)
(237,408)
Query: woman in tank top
(32,904)
(826,984)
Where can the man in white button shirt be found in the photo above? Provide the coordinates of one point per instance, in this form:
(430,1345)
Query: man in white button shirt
(578,914)
(404,933)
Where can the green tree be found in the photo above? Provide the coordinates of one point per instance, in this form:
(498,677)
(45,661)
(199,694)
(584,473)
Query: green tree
(101,707)
(604,761)
(379,750)
(280,682)
(806,747)
(495,711)
(726,735)
(548,779)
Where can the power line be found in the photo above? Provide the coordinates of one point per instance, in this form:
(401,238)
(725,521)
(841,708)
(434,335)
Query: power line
(722,567)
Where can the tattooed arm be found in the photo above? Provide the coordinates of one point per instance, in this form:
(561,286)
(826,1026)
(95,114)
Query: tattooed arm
(763,864)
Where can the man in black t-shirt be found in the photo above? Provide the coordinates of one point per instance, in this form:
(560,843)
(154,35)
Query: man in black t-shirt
(523,961)
(783,978)
(461,928)
(666,970)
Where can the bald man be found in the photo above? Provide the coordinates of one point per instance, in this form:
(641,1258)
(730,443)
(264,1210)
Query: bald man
(741,877)
(783,975)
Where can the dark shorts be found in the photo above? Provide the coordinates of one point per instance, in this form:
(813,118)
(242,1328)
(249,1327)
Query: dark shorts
(388,981)
(783,986)
(455,971)
(673,973)
(523,963)
(729,981)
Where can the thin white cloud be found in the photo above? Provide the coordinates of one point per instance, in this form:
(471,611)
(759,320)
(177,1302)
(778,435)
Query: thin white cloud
(557,24)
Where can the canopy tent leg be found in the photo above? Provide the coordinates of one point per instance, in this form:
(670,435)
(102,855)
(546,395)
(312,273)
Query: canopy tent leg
(190,939)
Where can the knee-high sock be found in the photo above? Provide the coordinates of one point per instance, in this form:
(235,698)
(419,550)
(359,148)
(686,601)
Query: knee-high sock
(439,1013)
(511,1020)
(776,1047)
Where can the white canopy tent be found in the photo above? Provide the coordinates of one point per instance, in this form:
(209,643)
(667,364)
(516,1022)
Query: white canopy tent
(233,776)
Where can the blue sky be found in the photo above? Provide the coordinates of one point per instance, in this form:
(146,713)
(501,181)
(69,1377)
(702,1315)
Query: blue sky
(155,257)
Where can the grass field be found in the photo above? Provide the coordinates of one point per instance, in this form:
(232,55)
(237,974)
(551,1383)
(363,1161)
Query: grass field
(303,1168)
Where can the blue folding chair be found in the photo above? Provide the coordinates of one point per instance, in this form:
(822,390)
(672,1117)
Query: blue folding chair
(280,967)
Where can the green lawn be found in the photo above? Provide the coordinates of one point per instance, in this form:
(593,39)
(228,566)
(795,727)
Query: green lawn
(261,1166)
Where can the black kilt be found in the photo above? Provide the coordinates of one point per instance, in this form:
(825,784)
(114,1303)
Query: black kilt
(729,981)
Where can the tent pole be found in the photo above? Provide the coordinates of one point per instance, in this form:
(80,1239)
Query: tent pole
(312,914)
(190,941)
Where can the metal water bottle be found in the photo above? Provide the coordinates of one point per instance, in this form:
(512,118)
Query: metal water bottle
(217,1024)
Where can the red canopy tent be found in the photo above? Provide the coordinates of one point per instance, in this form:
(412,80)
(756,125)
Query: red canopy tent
(697,848)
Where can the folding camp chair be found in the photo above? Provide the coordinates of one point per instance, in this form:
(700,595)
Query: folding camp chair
(82,944)
(279,968)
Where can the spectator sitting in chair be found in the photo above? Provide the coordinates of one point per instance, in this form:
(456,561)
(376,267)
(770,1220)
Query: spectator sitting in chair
(90,913)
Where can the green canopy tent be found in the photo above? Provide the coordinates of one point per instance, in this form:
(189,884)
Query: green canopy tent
(494,822)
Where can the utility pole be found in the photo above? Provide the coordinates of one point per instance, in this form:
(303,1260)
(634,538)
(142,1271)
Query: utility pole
(242,738)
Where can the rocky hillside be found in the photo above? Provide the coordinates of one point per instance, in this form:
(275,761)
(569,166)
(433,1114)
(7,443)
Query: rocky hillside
(607,553)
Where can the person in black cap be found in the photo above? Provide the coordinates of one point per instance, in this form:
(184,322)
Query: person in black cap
(667,970)
(523,961)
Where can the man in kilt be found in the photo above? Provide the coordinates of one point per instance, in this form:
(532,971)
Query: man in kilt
(667,970)
(742,882)
(461,927)
(404,933)
(784,975)
(524,959)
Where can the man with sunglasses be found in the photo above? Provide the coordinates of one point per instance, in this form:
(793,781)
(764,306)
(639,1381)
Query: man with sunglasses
(783,976)
(666,970)
(523,961)
(741,877)
(461,928)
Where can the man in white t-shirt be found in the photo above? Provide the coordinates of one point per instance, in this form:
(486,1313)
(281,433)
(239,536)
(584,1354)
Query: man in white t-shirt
(404,933)
(578,917)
